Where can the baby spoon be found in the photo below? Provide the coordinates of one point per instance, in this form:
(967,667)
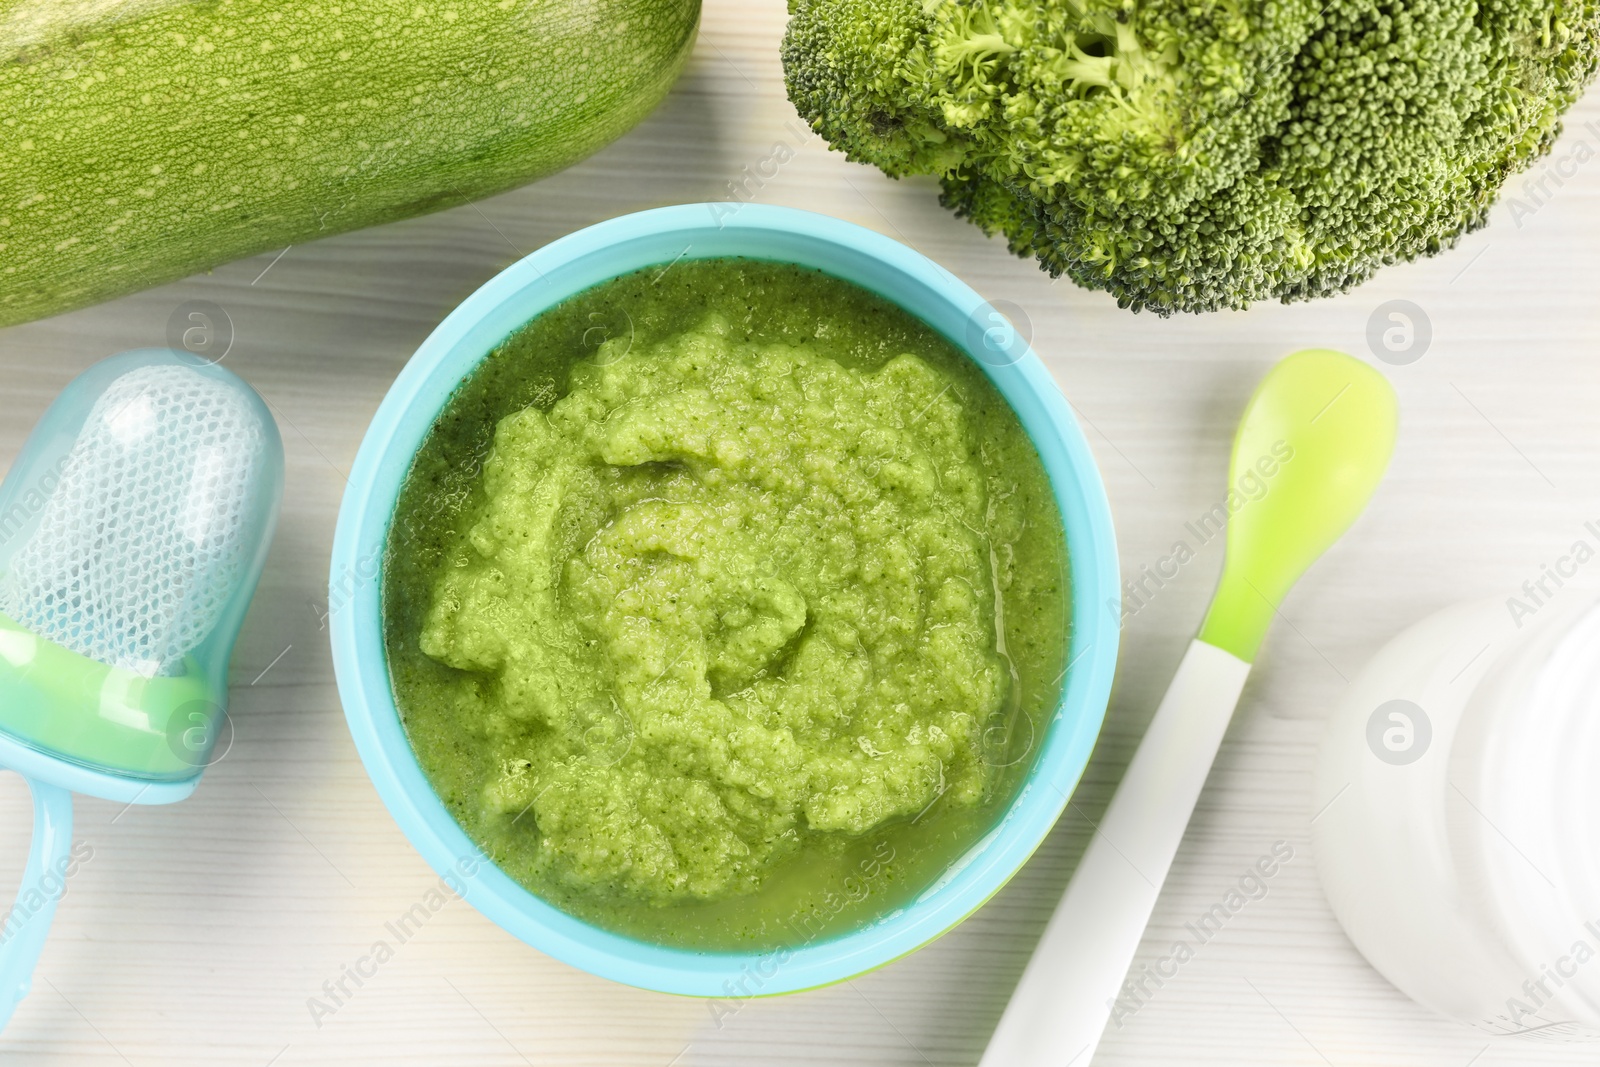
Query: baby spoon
(133,528)
(1313,445)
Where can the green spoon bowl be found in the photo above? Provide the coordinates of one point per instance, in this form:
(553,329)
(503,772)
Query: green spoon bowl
(1317,436)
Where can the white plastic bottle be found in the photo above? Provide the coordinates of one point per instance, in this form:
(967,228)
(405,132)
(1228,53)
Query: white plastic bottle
(1456,815)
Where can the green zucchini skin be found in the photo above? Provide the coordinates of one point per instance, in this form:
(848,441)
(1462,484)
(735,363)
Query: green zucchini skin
(142,141)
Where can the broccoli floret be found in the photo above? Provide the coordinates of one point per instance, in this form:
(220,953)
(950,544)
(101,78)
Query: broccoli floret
(1189,155)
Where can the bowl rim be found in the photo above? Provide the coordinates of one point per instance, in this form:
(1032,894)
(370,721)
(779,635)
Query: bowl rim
(527,288)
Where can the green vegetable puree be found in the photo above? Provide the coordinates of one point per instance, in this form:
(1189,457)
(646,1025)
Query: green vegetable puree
(724,604)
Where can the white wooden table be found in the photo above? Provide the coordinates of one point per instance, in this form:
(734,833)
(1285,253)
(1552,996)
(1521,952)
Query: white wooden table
(197,932)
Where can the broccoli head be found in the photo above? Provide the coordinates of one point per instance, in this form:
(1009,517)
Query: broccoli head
(1189,155)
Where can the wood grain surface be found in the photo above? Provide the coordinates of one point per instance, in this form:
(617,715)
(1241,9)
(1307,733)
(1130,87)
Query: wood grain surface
(196,933)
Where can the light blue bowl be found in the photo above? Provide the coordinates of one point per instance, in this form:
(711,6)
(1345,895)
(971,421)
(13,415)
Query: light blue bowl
(576,263)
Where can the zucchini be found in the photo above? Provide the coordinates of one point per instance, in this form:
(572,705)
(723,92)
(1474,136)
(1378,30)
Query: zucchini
(144,140)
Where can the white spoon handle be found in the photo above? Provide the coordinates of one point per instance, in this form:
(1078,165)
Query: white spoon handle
(1060,1007)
